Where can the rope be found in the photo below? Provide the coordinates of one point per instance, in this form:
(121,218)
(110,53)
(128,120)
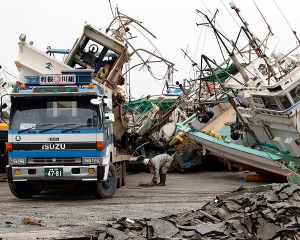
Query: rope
(283,15)
(111,8)
(214,18)
(262,16)
(141,185)
(294,32)
(147,185)
(204,41)
(10,74)
(230,14)
(197,49)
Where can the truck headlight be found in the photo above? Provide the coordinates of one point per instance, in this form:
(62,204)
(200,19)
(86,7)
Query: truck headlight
(89,160)
(17,161)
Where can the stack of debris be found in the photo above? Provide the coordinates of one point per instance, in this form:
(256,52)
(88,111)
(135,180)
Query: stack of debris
(265,212)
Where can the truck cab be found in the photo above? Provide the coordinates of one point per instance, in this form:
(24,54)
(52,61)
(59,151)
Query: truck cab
(60,135)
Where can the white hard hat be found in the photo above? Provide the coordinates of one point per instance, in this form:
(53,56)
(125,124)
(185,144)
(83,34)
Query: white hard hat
(145,161)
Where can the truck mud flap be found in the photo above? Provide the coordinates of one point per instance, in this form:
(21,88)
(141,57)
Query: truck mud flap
(100,172)
(9,174)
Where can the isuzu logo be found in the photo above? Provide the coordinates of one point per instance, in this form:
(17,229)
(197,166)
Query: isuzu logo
(53,146)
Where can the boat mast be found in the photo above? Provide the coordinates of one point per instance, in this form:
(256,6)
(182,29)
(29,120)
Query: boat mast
(253,41)
(231,53)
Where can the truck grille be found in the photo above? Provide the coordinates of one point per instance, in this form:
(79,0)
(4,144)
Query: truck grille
(52,161)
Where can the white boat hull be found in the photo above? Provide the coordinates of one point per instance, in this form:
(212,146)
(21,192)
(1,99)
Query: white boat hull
(32,61)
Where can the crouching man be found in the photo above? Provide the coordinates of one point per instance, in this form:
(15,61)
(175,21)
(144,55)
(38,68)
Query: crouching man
(160,164)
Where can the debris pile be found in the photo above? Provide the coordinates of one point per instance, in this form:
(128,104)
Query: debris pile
(265,212)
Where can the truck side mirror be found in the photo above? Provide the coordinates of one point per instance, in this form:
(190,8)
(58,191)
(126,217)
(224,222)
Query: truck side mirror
(107,103)
(109,117)
(95,101)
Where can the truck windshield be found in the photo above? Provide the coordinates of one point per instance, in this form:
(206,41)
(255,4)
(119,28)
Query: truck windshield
(55,113)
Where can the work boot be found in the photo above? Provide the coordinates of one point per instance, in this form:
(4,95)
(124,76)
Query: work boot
(162,180)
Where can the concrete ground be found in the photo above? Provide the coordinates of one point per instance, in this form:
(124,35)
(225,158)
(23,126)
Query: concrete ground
(78,214)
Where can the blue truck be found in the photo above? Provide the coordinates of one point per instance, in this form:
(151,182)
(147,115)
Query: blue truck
(60,136)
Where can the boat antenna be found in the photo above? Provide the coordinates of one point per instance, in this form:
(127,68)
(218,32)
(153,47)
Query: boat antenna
(263,18)
(214,18)
(294,32)
(211,24)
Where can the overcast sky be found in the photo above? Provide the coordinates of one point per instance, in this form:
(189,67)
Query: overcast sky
(58,23)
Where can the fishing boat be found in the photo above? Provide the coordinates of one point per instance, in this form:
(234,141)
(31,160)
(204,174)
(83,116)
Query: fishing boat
(6,87)
(260,131)
(7,84)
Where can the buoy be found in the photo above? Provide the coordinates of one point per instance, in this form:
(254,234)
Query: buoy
(207,131)
(212,134)
(217,135)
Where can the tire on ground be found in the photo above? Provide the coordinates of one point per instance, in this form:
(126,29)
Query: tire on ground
(22,189)
(106,189)
(119,179)
(124,173)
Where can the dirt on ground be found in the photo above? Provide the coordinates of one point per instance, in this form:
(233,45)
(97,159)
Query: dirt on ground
(78,215)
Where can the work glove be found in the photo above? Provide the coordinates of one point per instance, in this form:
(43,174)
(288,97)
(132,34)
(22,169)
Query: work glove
(154,180)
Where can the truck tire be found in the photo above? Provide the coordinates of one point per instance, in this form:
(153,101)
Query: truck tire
(22,189)
(124,173)
(107,189)
(119,181)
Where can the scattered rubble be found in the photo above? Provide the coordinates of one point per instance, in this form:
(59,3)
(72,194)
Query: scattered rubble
(265,212)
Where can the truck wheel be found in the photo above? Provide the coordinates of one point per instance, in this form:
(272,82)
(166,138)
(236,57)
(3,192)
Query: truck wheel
(119,180)
(22,189)
(124,173)
(107,189)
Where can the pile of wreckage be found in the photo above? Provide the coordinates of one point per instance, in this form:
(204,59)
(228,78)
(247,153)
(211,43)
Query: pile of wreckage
(264,212)
(152,123)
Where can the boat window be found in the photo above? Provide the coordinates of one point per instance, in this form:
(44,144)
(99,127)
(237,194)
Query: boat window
(270,103)
(285,102)
(257,99)
(295,93)
(91,54)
